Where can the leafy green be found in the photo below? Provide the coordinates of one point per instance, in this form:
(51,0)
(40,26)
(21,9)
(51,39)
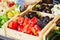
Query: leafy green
(54,35)
(38,6)
(57,32)
(3,19)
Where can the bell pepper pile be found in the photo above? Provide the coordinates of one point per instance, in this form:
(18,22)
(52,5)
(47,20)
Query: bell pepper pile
(29,23)
(25,25)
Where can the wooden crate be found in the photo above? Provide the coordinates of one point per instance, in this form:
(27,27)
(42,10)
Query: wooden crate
(53,26)
(23,36)
(45,3)
(12,8)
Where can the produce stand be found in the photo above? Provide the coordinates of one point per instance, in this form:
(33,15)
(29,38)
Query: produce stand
(39,20)
(12,33)
(10,12)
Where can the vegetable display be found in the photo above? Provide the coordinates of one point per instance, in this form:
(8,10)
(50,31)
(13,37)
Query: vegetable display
(29,23)
(35,22)
(9,9)
(8,15)
(43,7)
(3,19)
(55,33)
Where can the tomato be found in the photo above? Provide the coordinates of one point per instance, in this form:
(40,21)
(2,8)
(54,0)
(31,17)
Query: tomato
(26,25)
(26,21)
(20,28)
(25,28)
(29,31)
(20,20)
(34,20)
(34,32)
(13,24)
(11,4)
(36,29)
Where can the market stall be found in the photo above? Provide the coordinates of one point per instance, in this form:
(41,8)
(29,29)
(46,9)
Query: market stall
(30,20)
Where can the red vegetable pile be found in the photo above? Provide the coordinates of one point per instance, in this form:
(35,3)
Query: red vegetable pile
(25,25)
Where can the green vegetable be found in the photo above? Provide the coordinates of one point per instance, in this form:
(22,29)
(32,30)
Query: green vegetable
(49,37)
(54,35)
(39,14)
(38,6)
(0,18)
(4,16)
(57,32)
(16,6)
(3,19)
(0,24)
